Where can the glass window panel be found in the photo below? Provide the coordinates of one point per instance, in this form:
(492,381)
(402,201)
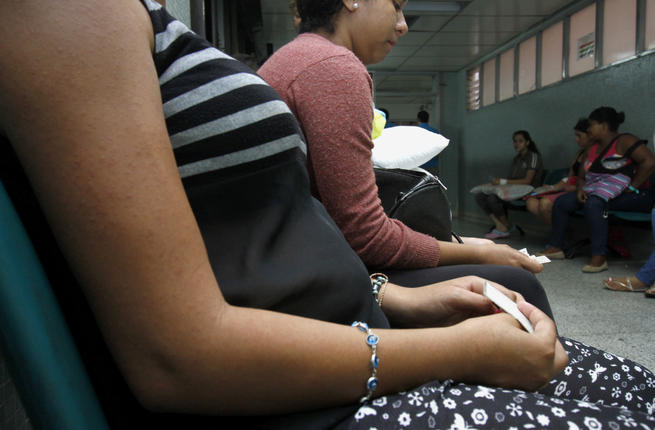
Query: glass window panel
(650,24)
(489,82)
(619,30)
(473,89)
(528,65)
(551,54)
(582,41)
(506,85)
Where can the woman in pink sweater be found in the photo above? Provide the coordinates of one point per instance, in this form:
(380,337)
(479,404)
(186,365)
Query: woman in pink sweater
(322,76)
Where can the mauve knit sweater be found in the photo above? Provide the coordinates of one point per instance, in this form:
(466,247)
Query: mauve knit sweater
(329,91)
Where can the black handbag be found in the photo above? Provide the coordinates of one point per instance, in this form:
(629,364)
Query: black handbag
(416,199)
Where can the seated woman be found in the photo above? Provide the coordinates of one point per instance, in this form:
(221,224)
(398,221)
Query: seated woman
(616,174)
(150,168)
(542,206)
(526,169)
(322,77)
(643,280)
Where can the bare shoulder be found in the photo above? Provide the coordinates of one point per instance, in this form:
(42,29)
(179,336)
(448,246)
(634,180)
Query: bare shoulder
(54,35)
(59,51)
(625,141)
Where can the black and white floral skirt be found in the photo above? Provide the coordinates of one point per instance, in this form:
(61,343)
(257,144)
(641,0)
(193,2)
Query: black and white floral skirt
(597,390)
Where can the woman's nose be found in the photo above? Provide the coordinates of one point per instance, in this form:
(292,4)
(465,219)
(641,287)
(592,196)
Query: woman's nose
(401,25)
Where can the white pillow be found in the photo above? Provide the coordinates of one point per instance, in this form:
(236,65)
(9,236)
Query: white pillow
(406,147)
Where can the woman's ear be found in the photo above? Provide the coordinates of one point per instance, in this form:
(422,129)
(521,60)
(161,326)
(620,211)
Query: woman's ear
(351,5)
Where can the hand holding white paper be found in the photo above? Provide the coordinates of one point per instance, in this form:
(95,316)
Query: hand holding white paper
(506,304)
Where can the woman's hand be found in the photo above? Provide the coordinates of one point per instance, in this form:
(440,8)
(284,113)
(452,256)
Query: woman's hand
(582,196)
(558,186)
(506,355)
(500,254)
(441,304)
(503,254)
(568,188)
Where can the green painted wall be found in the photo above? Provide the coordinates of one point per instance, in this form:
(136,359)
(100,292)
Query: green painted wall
(481,140)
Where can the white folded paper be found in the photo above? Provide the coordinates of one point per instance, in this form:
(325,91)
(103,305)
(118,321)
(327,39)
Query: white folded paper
(506,304)
(540,259)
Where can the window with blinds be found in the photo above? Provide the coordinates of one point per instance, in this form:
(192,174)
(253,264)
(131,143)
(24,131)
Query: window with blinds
(473,89)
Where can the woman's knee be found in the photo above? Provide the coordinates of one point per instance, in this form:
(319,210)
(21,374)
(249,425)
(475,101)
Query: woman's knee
(532,205)
(594,206)
(545,206)
(481,199)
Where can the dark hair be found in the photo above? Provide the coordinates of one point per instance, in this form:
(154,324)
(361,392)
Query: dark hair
(582,125)
(423,116)
(386,113)
(609,116)
(531,145)
(315,14)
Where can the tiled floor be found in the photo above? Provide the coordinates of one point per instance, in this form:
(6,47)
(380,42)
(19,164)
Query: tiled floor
(622,323)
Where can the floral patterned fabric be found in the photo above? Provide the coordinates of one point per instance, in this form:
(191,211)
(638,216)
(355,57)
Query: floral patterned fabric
(597,390)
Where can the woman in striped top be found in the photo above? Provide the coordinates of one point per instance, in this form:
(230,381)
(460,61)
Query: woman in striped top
(164,169)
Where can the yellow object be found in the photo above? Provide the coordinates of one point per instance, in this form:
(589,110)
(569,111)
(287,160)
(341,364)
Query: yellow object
(379,121)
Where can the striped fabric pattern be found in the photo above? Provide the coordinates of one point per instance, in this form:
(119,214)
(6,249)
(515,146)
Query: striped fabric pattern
(604,185)
(244,125)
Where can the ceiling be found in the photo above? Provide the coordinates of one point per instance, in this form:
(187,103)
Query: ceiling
(444,36)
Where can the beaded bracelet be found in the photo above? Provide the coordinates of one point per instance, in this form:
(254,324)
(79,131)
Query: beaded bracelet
(372,341)
(633,189)
(379,283)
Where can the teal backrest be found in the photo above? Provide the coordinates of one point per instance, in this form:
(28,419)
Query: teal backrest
(42,358)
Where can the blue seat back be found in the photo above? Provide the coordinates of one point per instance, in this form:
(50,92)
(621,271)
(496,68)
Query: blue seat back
(556,175)
(39,349)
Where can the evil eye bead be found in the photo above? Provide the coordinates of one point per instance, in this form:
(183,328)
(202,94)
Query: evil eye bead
(374,361)
(372,339)
(372,383)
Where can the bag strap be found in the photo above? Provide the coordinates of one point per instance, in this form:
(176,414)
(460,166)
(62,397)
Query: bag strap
(600,156)
(627,154)
(425,180)
(634,146)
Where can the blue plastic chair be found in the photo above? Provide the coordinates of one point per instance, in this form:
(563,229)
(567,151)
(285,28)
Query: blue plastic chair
(41,356)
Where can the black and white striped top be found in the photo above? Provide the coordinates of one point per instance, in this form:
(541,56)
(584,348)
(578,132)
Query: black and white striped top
(196,78)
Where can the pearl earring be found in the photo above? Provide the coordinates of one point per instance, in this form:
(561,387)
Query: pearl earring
(355,5)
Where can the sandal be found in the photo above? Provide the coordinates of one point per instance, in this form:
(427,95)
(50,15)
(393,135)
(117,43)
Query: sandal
(650,293)
(497,234)
(557,255)
(595,269)
(623,284)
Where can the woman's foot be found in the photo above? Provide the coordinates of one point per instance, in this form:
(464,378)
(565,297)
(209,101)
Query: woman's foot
(553,252)
(597,264)
(631,283)
(650,293)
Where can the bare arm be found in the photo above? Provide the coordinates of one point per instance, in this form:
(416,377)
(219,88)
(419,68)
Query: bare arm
(527,179)
(456,253)
(94,144)
(642,156)
(337,122)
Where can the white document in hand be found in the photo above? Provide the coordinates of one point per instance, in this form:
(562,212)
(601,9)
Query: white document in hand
(540,259)
(506,304)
